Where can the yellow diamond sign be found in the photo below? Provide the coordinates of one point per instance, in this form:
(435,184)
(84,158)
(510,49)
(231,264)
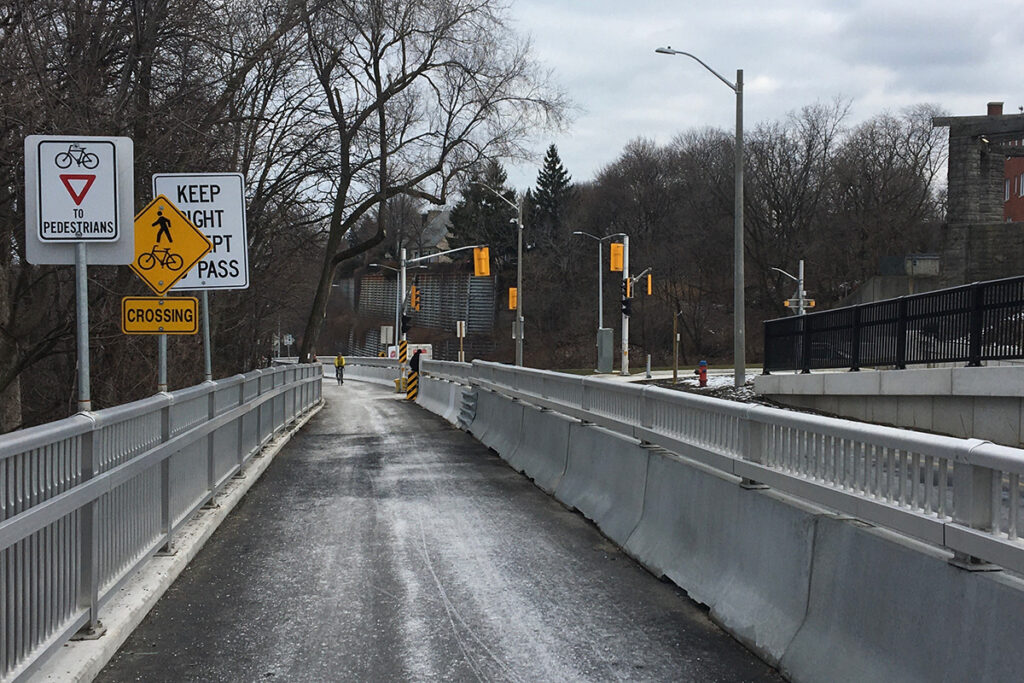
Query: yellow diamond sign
(167,245)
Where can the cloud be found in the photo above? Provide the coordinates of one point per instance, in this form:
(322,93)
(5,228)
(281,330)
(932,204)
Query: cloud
(880,54)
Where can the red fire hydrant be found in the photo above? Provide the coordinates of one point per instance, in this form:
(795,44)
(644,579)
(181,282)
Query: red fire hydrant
(702,373)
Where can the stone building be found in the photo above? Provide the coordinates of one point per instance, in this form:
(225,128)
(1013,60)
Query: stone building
(978,243)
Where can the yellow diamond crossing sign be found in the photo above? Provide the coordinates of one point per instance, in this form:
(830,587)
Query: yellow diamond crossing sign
(167,245)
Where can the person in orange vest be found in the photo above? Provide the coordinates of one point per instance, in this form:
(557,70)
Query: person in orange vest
(702,373)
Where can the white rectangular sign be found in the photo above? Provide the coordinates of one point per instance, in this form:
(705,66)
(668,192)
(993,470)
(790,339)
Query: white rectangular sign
(215,203)
(79,189)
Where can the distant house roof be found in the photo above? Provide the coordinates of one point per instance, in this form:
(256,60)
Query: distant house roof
(435,228)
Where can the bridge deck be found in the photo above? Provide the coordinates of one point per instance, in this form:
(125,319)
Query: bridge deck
(382,544)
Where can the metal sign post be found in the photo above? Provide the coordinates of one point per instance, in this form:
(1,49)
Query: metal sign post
(214,203)
(207,359)
(78,208)
(167,246)
(82,309)
(161,370)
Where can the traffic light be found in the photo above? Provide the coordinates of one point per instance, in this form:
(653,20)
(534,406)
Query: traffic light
(513,298)
(616,257)
(481,261)
(650,284)
(414,298)
(406,319)
(627,302)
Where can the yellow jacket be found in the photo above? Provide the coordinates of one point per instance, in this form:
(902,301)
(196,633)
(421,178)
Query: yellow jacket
(339,361)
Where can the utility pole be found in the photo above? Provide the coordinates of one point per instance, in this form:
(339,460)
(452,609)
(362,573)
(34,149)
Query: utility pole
(625,317)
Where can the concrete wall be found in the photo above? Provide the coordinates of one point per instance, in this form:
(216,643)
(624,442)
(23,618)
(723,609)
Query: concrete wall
(822,597)
(983,403)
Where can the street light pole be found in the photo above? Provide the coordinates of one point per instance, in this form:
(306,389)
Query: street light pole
(518,206)
(519,282)
(624,369)
(801,304)
(739,324)
(600,281)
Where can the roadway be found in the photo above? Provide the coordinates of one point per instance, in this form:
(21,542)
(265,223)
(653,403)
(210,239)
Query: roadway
(383,544)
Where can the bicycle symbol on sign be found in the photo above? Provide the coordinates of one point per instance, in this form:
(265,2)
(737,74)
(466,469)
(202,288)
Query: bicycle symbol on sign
(77,154)
(162,256)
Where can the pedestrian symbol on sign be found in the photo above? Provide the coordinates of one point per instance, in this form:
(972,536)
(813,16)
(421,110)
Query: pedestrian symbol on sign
(164,224)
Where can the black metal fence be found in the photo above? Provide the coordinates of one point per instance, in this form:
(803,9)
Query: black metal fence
(969,324)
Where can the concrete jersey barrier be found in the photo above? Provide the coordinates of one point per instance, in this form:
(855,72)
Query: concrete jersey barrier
(822,596)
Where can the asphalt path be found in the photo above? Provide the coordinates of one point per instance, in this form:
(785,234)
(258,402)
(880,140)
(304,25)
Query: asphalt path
(383,544)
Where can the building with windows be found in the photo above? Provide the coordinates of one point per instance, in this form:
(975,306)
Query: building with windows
(1013,185)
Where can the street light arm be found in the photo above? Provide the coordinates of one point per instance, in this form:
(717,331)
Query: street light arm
(496,194)
(599,239)
(791,277)
(442,253)
(636,277)
(669,51)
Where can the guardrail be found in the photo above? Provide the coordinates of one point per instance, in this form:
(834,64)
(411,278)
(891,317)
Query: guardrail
(970,324)
(961,494)
(86,500)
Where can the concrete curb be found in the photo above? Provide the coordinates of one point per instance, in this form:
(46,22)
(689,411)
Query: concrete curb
(83,660)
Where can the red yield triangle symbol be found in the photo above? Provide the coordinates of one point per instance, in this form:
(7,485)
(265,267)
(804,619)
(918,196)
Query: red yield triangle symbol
(68,178)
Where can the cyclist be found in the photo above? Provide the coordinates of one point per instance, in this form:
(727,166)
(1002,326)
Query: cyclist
(339,368)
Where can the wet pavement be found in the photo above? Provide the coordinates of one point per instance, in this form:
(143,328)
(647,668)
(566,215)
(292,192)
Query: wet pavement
(384,544)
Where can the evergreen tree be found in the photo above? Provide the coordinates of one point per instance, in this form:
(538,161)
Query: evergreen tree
(482,218)
(549,200)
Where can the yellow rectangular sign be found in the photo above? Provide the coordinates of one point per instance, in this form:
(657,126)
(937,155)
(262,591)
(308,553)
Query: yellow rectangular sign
(159,315)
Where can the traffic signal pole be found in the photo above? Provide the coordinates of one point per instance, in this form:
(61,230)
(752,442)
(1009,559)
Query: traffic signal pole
(625,318)
(400,330)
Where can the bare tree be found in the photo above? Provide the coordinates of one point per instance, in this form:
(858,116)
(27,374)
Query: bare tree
(415,94)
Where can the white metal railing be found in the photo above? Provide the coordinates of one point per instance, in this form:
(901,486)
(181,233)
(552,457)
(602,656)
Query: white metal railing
(85,500)
(962,494)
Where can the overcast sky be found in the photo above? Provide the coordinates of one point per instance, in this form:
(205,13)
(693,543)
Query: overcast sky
(879,54)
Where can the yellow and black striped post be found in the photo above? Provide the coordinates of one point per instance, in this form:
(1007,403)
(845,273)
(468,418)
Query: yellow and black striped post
(403,352)
(412,386)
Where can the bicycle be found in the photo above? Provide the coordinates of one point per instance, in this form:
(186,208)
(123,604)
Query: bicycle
(166,259)
(77,154)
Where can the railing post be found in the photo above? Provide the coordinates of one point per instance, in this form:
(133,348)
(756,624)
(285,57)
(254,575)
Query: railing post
(241,427)
(972,503)
(805,344)
(752,446)
(89,578)
(166,523)
(976,325)
(855,341)
(211,465)
(259,410)
(765,367)
(901,333)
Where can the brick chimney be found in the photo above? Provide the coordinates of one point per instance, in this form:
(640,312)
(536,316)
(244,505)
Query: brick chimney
(995,108)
